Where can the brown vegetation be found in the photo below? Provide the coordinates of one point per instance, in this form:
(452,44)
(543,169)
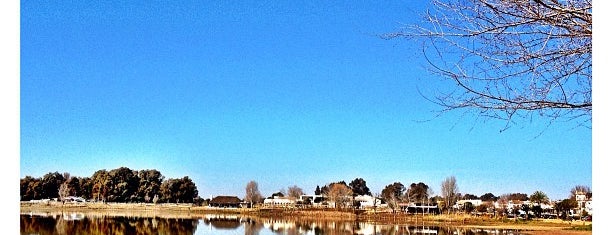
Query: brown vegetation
(172,210)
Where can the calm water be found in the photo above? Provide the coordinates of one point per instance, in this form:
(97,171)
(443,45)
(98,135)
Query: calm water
(79,223)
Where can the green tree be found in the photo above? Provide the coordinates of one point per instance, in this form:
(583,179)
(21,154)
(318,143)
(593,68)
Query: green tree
(395,190)
(435,199)
(168,190)
(517,197)
(482,208)
(101,184)
(526,208)
(29,188)
(149,184)
(468,207)
(278,194)
(537,210)
(50,183)
(392,194)
(178,190)
(538,197)
(488,197)
(565,206)
(74,183)
(188,190)
(85,187)
(359,187)
(124,186)
(418,192)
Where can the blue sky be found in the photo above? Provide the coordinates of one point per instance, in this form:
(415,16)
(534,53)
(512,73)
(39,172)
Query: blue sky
(296,93)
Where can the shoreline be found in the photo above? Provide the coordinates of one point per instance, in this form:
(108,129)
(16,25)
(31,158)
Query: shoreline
(537,227)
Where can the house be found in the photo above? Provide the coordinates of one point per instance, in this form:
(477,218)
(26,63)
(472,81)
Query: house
(515,204)
(278,201)
(367,201)
(74,199)
(419,208)
(584,203)
(461,203)
(314,200)
(225,202)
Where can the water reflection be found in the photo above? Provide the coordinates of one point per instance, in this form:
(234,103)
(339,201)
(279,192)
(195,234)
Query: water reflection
(51,225)
(81,223)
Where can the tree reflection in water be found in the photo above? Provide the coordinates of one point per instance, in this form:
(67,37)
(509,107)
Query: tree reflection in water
(106,225)
(56,224)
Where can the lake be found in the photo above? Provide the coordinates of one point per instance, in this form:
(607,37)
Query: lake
(81,223)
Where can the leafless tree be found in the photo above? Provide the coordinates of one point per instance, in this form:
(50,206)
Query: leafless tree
(295,191)
(253,195)
(503,203)
(64,191)
(510,58)
(340,194)
(449,191)
(252,228)
(580,189)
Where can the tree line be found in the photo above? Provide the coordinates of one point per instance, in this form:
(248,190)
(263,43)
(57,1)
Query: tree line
(422,194)
(117,185)
(126,185)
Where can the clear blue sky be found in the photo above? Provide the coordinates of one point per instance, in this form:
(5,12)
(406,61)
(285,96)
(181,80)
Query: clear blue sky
(296,93)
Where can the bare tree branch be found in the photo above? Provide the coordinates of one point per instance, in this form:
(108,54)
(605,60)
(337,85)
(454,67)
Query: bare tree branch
(510,58)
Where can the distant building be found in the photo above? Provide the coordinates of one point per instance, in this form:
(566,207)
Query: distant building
(584,203)
(314,200)
(225,202)
(516,204)
(367,201)
(461,203)
(74,199)
(420,208)
(278,201)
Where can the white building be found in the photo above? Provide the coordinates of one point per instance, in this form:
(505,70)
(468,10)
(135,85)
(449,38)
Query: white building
(367,201)
(280,202)
(315,200)
(584,203)
(461,203)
